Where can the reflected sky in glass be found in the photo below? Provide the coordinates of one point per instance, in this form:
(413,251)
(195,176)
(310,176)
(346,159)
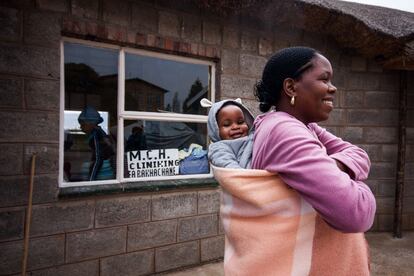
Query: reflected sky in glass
(103,61)
(170,75)
(173,76)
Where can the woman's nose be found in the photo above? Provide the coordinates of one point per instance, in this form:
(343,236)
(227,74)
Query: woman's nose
(331,88)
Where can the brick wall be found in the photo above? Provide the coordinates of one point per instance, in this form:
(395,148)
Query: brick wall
(144,233)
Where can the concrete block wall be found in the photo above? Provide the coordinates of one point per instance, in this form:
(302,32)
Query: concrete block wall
(115,235)
(124,234)
(151,232)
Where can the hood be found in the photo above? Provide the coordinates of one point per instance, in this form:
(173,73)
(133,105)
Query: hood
(212,126)
(90,115)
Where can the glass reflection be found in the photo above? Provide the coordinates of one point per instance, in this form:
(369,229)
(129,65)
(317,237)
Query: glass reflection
(158,148)
(90,116)
(158,85)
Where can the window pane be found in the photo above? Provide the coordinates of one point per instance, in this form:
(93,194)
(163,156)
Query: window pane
(158,148)
(90,116)
(156,85)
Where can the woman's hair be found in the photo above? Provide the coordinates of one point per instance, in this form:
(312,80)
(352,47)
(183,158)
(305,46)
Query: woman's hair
(287,63)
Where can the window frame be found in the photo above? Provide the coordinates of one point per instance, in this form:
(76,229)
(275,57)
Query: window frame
(129,115)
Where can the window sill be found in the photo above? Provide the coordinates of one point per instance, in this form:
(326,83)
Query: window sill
(134,187)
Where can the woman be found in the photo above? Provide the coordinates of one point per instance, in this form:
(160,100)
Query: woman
(101,166)
(297,81)
(303,207)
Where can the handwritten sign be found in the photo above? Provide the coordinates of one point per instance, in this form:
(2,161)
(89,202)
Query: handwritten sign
(152,163)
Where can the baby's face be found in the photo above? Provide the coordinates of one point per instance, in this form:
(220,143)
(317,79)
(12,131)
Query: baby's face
(231,123)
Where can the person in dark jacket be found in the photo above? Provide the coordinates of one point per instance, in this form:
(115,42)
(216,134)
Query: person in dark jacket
(101,166)
(137,140)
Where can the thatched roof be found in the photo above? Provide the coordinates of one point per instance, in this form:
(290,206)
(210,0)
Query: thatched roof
(396,23)
(384,34)
(381,33)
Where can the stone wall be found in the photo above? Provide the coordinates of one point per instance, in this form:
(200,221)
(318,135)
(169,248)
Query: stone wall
(149,232)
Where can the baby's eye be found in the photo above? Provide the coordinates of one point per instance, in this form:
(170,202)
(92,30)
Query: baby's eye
(241,122)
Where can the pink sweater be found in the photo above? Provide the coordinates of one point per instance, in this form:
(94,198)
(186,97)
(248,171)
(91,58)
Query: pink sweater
(304,157)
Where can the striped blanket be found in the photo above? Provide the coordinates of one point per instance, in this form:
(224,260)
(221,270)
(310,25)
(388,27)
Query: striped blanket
(271,230)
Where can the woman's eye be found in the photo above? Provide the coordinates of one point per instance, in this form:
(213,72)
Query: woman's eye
(325,78)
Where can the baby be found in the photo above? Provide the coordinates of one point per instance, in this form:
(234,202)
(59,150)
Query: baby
(230,126)
(231,123)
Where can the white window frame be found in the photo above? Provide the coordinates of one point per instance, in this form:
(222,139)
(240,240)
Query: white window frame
(122,114)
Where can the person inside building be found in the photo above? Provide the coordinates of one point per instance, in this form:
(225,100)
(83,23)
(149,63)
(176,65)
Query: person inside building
(101,166)
(137,139)
(304,204)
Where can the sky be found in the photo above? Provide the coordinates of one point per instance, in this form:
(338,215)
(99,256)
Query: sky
(405,5)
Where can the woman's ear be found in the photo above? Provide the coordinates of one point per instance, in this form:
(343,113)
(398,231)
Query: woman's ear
(289,87)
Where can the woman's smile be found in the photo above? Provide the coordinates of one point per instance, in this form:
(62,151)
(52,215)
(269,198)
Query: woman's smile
(328,102)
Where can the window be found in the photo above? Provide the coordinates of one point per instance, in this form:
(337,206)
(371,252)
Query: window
(132,115)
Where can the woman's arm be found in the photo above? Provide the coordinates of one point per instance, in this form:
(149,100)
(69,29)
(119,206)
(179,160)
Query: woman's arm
(354,158)
(289,149)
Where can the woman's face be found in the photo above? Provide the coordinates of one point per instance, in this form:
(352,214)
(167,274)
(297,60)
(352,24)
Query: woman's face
(315,92)
(87,127)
